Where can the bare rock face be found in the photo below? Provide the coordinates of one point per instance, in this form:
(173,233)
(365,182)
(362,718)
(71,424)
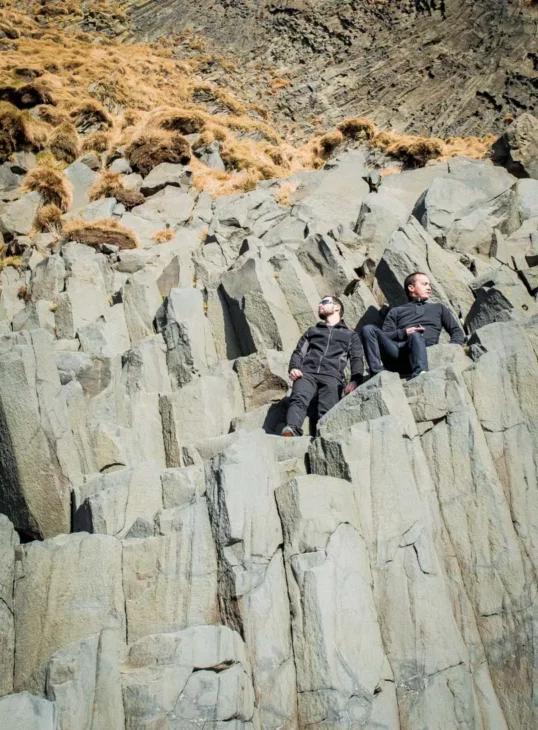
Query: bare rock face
(167,561)
(451,67)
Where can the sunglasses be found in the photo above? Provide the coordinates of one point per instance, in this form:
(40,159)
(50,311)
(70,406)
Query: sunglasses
(326,301)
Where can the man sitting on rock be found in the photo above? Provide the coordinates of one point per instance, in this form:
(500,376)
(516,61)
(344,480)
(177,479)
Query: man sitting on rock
(408,330)
(318,363)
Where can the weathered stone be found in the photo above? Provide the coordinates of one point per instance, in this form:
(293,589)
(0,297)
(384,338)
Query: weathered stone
(83,681)
(82,179)
(36,315)
(171,206)
(527,198)
(180,679)
(298,288)
(48,279)
(68,588)
(186,331)
(170,578)
(17,218)
(37,472)
(325,262)
(517,148)
(8,542)
(167,173)
(258,308)
(262,379)
(23,711)
(144,228)
(97,210)
(141,299)
(189,414)
(253,594)
(108,336)
(121,165)
(111,503)
(337,643)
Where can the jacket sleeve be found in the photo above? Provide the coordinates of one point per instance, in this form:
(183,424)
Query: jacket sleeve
(298,354)
(452,326)
(356,358)
(390,328)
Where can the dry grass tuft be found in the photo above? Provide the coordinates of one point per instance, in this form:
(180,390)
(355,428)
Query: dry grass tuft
(357,128)
(48,218)
(110,185)
(19,131)
(64,143)
(163,236)
(329,142)
(97,233)
(14,261)
(97,142)
(29,95)
(285,192)
(91,115)
(52,185)
(151,147)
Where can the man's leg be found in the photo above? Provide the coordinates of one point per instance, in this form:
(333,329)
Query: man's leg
(381,352)
(414,353)
(304,389)
(329,393)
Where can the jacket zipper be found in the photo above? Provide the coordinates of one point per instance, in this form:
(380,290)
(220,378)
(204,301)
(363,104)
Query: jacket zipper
(326,349)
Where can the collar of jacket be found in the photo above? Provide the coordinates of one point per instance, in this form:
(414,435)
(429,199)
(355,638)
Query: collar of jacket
(417,300)
(341,323)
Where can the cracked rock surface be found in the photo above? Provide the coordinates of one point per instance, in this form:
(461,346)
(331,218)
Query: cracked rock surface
(167,561)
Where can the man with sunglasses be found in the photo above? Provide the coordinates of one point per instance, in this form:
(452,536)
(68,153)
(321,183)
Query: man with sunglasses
(318,363)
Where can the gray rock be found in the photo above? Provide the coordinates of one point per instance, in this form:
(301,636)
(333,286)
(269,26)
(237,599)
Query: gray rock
(82,179)
(36,315)
(108,336)
(298,288)
(91,160)
(48,278)
(9,180)
(22,162)
(167,173)
(83,682)
(157,570)
(141,300)
(11,281)
(99,209)
(36,472)
(258,308)
(17,218)
(121,165)
(89,597)
(111,503)
(527,197)
(210,155)
(8,542)
(186,331)
(171,206)
(262,379)
(180,679)
(144,228)
(517,148)
(327,264)
(23,711)
(133,181)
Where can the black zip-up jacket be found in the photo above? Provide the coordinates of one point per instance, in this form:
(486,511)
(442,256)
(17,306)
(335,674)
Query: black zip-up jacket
(325,350)
(432,316)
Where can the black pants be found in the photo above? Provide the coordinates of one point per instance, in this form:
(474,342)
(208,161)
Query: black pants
(328,390)
(407,358)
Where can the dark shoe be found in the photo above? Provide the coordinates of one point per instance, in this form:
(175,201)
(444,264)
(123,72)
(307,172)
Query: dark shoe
(417,374)
(288,431)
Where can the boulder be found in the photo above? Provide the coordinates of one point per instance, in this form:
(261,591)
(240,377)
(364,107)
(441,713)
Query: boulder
(48,279)
(17,218)
(171,206)
(187,334)
(527,198)
(253,594)
(167,173)
(298,288)
(8,542)
(263,379)
(141,299)
(327,264)
(23,711)
(258,309)
(170,577)
(37,472)
(180,679)
(517,148)
(83,682)
(82,179)
(68,588)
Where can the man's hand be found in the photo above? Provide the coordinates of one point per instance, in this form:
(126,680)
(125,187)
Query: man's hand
(410,330)
(350,387)
(295,374)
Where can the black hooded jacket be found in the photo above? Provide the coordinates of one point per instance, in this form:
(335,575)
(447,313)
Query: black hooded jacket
(432,316)
(326,350)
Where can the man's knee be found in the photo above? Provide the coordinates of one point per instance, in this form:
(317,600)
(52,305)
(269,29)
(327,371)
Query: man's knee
(370,330)
(416,338)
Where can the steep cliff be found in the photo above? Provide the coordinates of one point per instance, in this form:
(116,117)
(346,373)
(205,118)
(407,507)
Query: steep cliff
(167,560)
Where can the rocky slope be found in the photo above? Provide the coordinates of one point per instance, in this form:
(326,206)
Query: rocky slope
(449,67)
(167,561)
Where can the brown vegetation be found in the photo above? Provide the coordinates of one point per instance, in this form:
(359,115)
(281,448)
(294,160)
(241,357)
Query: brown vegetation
(48,218)
(163,236)
(64,143)
(97,142)
(110,185)
(285,192)
(95,234)
(19,131)
(52,185)
(91,115)
(151,147)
